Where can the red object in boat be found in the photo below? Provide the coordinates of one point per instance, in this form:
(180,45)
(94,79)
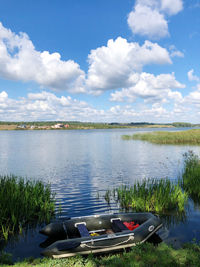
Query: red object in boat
(131,225)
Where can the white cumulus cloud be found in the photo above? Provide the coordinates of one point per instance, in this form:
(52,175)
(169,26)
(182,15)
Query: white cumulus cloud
(20,61)
(46,106)
(150,88)
(149,22)
(172,7)
(193,98)
(148,17)
(192,77)
(174,52)
(116,65)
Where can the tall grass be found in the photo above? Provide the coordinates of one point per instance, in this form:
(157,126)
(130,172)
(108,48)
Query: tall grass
(23,201)
(151,195)
(146,254)
(191,176)
(164,137)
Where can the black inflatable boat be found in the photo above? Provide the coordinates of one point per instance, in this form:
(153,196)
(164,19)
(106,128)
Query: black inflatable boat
(99,233)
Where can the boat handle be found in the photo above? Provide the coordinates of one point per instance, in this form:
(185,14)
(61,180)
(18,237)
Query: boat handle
(114,219)
(76,224)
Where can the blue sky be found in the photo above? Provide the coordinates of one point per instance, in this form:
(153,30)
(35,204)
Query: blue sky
(113,60)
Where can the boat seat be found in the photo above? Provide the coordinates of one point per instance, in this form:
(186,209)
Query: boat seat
(118,226)
(82,229)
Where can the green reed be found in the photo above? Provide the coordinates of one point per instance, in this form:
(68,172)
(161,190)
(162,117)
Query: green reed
(151,195)
(107,196)
(165,137)
(23,202)
(191,176)
(127,137)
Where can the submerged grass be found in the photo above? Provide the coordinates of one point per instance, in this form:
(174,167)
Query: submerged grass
(23,202)
(151,195)
(164,137)
(191,176)
(142,255)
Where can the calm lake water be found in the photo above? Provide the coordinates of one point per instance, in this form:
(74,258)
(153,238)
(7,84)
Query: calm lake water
(78,164)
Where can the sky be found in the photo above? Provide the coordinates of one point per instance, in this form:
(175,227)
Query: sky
(100,61)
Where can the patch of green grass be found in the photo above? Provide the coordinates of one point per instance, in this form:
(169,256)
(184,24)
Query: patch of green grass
(142,255)
(151,195)
(191,176)
(5,258)
(164,137)
(23,202)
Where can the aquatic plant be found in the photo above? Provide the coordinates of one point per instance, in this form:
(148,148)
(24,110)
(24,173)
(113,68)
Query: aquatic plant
(151,195)
(191,176)
(127,137)
(165,137)
(23,201)
(107,196)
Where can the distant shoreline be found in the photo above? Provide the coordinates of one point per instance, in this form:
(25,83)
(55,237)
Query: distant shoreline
(75,125)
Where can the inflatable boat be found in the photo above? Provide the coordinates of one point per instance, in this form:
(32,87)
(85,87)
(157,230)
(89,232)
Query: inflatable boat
(99,233)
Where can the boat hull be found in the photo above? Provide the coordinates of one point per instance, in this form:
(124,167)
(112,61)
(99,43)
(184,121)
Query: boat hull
(72,244)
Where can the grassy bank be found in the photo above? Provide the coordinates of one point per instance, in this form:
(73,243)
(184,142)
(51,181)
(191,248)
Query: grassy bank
(182,137)
(149,195)
(23,202)
(142,255)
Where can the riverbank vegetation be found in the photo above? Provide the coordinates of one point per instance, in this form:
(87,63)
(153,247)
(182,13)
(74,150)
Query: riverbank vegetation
(142,255)
(161,195)
(181,137)
(191,176)
(149,195)
(23,202)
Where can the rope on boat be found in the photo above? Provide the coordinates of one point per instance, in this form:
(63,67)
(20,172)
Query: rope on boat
(89,246)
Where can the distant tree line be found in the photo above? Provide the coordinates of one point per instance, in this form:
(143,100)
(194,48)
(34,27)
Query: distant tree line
(183,124)
(77,124)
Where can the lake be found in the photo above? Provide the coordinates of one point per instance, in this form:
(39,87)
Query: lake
(82,164)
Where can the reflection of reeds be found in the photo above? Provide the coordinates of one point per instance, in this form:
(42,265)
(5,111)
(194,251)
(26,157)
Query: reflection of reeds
(23,202)
(150,195)
(191,176)
(173,218)
(164,137)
